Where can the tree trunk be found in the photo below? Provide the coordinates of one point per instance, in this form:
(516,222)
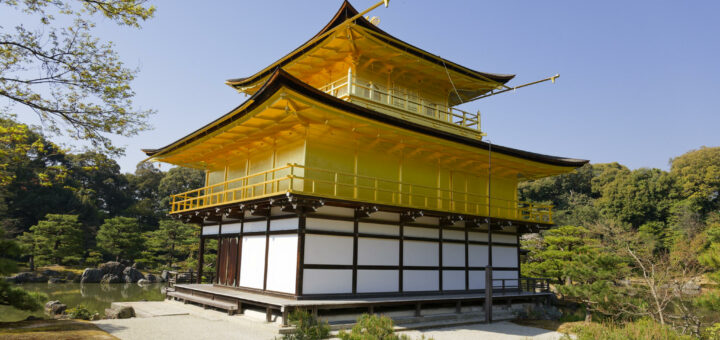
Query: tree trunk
(31,263)
(588,316)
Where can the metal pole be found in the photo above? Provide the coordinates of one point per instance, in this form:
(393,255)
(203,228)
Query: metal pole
(488,267)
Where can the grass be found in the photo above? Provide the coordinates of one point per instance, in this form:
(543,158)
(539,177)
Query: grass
(62,269)
(52,329)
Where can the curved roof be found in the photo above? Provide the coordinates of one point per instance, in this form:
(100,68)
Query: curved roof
(346,12)
(280,78)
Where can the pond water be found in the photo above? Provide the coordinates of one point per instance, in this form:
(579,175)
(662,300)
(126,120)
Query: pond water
(95,296)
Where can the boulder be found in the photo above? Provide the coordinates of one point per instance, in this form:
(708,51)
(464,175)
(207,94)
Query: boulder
(50,273)
(184,278)
(152,278)
(91,275)
(95,317)
(28,277)
(132,275)
(111,278)
(143,281)
(54,308)
(112,267)
(56,280)
(119,312)
(164,275)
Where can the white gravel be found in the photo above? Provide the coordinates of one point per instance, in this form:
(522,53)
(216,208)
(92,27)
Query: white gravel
(210,324)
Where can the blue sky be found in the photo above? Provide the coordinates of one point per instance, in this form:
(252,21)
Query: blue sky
(640,80)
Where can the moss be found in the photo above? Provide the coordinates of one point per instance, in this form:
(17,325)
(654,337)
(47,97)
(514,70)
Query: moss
(52,329)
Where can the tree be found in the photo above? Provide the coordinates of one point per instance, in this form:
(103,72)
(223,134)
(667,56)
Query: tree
(179,180)
(120,237)
(76,84)
(172,241)
(143,191)
(58,239)
(698,174)
(11,295)
(553,253)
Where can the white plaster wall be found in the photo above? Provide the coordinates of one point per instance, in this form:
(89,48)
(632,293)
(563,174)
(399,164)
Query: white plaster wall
(336,211)
(210,230)
(329,225)
(420,280)
(327,281)
(377,281)
(505,274)
(477,279)
(282,263)
(421,232)
(504,238)
(418,253)
(380,229)
(385,216)
(322,249)
(504,256)
(252,268)
(233,228)
(453,254)
(428,220)
(284,224)
(253,226)
(475,236)
(453,235)
(374,251)
(453,280)
(477,255)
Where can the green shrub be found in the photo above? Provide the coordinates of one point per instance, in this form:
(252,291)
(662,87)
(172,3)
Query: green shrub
(644,329)
(307,327)
(79,312)
(373,327)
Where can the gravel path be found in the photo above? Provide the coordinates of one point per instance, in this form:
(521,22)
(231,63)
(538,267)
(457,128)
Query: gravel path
(210,324)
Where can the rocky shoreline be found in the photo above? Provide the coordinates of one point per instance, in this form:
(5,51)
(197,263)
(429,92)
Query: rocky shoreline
(110,272)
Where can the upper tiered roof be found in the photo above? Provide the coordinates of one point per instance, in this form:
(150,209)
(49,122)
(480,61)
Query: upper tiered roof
(369,46)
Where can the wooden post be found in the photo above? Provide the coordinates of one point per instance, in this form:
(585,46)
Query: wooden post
(488,294)
(201,258)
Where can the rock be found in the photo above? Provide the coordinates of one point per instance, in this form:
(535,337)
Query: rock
(184,278)
(111,278)
(132,275)
(54,308)
(124,312)
(95,317)
(32,317)
(28,277)
(112,267)
(152,278)
(56,280)
(50,273)
(91,275)
(143,281)
(164,275)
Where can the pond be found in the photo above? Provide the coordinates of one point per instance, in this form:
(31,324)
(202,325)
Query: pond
(95,296)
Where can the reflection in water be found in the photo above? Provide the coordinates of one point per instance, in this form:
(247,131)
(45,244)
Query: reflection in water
(95,296)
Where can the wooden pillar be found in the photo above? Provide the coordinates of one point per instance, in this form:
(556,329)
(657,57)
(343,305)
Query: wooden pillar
(489,278)
(300,254)
(201,257)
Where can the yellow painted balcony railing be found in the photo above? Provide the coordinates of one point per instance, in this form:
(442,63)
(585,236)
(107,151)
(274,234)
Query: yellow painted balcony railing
(395,99)
(298,179)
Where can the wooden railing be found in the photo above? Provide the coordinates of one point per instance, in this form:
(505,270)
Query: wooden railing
(396,99)
(524,284)
(299,179)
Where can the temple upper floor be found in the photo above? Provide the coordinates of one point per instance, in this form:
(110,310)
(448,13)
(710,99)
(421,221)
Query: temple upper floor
(351,58)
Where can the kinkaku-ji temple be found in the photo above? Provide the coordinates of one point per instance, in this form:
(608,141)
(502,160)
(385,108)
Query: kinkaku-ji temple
(350,180)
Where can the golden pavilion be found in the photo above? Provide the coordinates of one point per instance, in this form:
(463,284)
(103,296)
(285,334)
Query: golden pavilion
(350,178)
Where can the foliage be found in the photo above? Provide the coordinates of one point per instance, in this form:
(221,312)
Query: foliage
(307,327)
(79,312)
(58,239)
(9,294)
(75,83)
(372,327)
(698,174)
(558,250)
(172,240)
(120,237)
(644,329)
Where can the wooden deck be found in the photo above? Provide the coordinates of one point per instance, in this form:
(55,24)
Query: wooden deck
(203,292)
